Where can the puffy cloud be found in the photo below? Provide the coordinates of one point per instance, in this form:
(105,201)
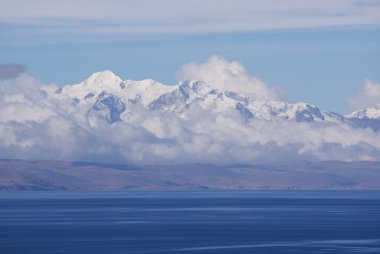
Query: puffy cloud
(8,71)
(226,75)
(369,96)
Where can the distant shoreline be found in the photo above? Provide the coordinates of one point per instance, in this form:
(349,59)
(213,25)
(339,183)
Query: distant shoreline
(33,175)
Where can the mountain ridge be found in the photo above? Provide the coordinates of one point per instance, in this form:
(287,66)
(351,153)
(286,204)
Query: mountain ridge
(178,97)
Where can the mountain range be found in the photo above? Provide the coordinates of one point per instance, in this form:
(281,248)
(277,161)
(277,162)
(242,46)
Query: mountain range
(107,93)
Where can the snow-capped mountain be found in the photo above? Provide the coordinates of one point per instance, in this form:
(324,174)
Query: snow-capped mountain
(370,113)
(144,91)
(106,92)
(366,118)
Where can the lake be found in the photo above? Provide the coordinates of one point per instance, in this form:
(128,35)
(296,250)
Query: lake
(190,222)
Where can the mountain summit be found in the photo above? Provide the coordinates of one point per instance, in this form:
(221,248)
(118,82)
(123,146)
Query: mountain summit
(102,79)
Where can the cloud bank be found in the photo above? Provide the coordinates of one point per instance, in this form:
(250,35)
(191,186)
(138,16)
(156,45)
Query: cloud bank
(226,75)
(195,16)
(369,96)
(37,123)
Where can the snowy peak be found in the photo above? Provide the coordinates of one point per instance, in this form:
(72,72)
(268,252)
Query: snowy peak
(102,79)
(370,113)
(93,85)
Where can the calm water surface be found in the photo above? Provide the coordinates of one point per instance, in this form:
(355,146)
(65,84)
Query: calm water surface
(190,222)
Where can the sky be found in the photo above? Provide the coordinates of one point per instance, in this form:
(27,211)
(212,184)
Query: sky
(322,52)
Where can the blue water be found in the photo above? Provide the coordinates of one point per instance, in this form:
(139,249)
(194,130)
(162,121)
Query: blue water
(190,222)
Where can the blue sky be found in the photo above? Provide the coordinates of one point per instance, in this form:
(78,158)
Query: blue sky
(318,51)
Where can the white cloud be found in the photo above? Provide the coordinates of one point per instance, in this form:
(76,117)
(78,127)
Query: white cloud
(195,16)
(226,75)
(369,96)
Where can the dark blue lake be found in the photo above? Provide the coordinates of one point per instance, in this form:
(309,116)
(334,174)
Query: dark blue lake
(190,222)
